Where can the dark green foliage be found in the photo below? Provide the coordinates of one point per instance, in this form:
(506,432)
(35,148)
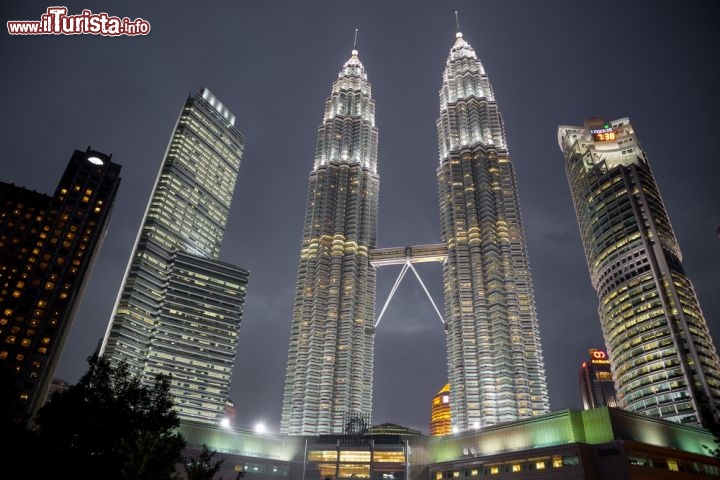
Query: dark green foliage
(203,467)
(709,416)
(108,426)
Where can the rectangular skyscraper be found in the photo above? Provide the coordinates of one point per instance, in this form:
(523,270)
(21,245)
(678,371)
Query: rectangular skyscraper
(495,362)
(330,359)
(597,386)
(47,248)
(662,356)
(179,308)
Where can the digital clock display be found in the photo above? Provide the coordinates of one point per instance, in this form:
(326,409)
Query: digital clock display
(604,134)
(604,137)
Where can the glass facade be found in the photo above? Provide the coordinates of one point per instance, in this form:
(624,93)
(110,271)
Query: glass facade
(179,308)
(494,355)
(330,358)
(663,359)
(382,457)
(47,248)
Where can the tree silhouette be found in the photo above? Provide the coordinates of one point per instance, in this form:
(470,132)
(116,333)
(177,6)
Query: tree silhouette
(203,467)
(710,422)
(109,426)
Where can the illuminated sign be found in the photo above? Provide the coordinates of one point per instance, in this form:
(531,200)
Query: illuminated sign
(598,356)
(604,134)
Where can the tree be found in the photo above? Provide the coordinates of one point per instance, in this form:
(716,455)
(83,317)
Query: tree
(109,426)
(709,419)
(203,467)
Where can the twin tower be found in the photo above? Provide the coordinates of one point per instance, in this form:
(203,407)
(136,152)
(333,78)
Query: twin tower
(663,358)
(494,356)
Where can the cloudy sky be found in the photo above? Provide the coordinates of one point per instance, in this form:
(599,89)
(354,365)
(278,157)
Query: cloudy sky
(272,63)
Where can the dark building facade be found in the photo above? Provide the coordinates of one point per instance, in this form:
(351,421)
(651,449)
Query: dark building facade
(597,387)
(47,247)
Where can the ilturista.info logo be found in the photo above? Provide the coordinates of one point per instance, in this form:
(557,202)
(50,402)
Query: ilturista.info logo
(56,21)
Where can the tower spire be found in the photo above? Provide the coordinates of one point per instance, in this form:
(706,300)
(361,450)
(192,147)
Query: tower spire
(319,393)
(470,119)
(457,21)
(354,50)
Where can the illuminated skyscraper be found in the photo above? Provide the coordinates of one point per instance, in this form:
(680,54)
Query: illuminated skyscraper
(330,359)
(663,358)
(179,309)
(495,361)
(47,248)
(597,387)
(440,423)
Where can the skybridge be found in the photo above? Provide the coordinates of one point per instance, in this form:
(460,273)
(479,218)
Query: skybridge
(407,256)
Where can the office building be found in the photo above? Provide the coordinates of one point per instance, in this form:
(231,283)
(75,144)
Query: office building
(440,422)
(179,308)
(494,355)
(597,387)
(330,357)
(663,359)
(47,248)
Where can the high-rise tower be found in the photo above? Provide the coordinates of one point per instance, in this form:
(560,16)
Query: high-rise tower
(179,309)
(662,356)
(495,361)
(330,359)
(597,387)
(47,248)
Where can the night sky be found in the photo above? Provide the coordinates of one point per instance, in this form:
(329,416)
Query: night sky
(272,63)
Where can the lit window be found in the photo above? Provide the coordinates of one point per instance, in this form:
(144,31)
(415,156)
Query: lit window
(540,465)
(516,467)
